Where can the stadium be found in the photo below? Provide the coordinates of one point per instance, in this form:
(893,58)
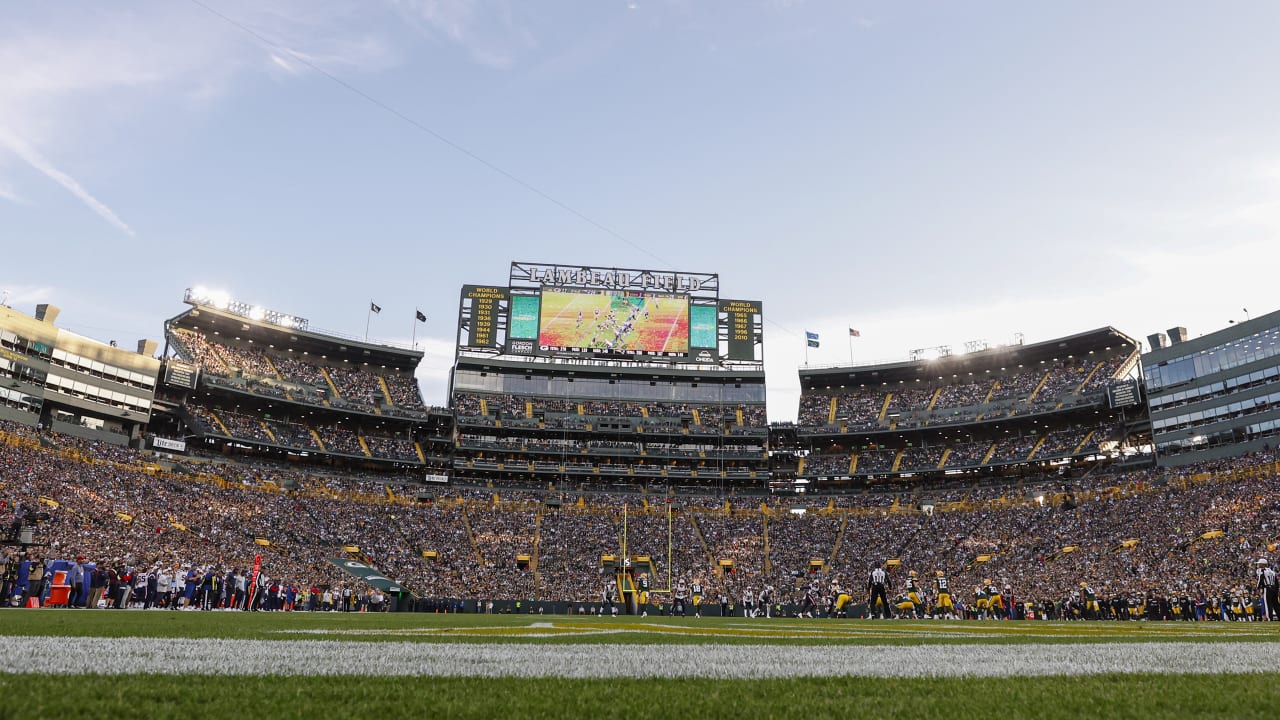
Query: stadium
(601,493)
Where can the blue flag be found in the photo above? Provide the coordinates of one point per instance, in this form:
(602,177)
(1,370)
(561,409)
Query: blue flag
(811,339)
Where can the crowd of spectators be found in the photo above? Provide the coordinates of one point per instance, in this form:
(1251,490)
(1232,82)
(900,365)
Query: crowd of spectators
(560,412)
(336,439)
(1175,534)
(957,400)
(1061,442)
(291,376)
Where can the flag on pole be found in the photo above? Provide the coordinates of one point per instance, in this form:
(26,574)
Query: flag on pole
(811,339)
(373,308)
(421,316)
(854,333)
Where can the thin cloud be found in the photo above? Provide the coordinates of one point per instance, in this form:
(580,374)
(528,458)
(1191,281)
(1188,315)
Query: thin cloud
(19,295)
(32,157)
(490,33)
(8,193)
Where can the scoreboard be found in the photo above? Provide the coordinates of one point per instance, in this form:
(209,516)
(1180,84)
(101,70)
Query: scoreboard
(180,374)
(742,328)
(482,309)
(607,313)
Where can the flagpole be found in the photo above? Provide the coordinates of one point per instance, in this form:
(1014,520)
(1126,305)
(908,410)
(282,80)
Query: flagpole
(850,348)
(368,315)
(414,342)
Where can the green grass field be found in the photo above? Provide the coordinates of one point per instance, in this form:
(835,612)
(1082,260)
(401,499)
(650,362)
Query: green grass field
(733,660)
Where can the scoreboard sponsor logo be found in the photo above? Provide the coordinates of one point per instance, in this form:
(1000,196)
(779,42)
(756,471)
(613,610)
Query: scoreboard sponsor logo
(704,356)
(612,278)
(522,347)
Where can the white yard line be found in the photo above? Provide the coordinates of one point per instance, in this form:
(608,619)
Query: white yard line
(117,656)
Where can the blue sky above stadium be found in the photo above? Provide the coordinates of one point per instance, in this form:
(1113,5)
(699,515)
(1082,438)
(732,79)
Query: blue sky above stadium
(928,173)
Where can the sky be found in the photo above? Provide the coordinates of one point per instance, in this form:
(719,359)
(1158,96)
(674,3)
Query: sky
(927,173)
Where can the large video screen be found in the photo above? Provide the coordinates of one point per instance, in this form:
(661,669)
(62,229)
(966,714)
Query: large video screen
(614,321)
(524,317)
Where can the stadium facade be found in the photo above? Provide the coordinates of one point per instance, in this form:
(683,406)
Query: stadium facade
(241,379)
(571,376)
(599,416)
(1010,410)
(53,378)
(1217,395)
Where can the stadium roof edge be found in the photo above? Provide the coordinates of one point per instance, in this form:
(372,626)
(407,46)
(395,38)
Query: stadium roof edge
(1082,342)
(314,341)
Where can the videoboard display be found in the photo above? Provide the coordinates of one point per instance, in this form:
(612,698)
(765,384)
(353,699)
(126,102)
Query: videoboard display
(703,321)
(524,317)
(635,322)
(610,313)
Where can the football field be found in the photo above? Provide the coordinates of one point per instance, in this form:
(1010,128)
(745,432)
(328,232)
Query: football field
(100,663)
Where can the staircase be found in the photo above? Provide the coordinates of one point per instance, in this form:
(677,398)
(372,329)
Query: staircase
(316,436)
(994,387)
(1036,449)
(1087,378)
(364,446)
(417,448)
(835,550)
(471,537)
(831,411)
(946,455)
(897,461)
(884,407)
(221,426)
(329,381)
(267,430)
(702,541)
(1083,443)
(934,400)
(990,451)
(1039,386)
(274,370)
(386,391)
(853,463)
(768,565)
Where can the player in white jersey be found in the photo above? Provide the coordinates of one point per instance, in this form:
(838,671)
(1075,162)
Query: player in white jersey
(681,598)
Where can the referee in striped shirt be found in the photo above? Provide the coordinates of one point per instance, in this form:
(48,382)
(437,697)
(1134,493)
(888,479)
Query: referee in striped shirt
(876,585)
